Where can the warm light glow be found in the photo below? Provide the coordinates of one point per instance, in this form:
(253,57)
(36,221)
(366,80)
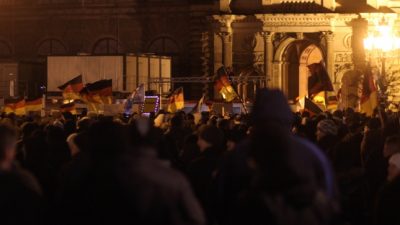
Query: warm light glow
(383,40)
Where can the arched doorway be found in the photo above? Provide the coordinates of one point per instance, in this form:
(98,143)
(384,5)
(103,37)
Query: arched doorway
(295,59)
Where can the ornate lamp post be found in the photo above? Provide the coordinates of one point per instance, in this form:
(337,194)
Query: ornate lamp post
(382,41)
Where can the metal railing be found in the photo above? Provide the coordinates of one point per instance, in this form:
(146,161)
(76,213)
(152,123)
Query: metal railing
(234,79)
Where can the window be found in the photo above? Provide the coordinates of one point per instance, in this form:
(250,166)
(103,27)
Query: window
(107,46)
(52,47)
(164,46)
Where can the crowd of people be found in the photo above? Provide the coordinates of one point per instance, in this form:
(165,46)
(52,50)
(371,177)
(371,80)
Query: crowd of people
(271,167)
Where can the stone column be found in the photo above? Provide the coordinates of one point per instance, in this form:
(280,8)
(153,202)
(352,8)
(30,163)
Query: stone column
(227,54)
(268,54)
(224,45)
(330,54)
(359,28)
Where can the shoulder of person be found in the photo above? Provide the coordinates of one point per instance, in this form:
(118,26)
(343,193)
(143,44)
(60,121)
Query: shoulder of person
(28,180)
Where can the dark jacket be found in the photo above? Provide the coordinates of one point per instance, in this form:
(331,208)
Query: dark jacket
(134,190)
(387,205)
(20,203)
(202,172)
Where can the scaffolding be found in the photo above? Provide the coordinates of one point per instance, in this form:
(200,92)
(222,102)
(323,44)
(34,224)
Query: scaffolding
(245,85)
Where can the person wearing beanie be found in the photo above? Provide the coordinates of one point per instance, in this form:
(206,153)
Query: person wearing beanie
(326,134)
(386,209)
(202,170)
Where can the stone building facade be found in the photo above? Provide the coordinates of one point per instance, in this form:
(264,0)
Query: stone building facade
(272,38)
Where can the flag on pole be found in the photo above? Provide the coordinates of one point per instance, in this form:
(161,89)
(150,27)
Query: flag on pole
(72,88)
(176,101)
(199,104)
(369,96)
(98,92)
(319,80)
(137,97)
(223,85)
(15,105)
(311,107)
(34,105)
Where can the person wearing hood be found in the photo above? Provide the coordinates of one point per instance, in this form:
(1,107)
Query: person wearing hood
(287,173)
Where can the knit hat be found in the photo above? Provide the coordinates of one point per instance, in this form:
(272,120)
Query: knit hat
(395,160)
(211,134)
(327,126)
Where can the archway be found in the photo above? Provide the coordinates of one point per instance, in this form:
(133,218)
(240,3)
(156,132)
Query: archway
(295,58)
(311,54)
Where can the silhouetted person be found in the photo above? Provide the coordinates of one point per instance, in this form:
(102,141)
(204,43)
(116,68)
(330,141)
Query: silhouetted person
(202,170)
(389,197)
(292,181)
(120,185)
(20,193)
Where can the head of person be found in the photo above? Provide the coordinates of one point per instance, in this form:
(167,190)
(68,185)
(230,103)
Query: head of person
(392,146)
(177,121)
(8,139)
(190,118)
(83,124)
(77,142)
(326,127)
(270,110)
(209,136)
(372,124)
(73,148)
(394,167)
(107,140)
(235,136)
(28,128)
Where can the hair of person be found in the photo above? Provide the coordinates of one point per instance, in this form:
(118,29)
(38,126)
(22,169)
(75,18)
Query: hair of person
(212,135)
(177,121)
(393,140)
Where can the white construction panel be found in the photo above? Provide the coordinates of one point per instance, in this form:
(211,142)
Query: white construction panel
(131,73)
(61,69)
(166,73)
(154,71)
(143,76)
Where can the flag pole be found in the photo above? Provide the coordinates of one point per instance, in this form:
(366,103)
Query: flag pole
(240,98)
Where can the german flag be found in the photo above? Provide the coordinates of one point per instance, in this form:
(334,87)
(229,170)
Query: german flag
(311,107)
(223,86)
(16,106)
(34,105)
(72,88)
(98,92)
(68,107)
(319,80)
(369,96)
(176,101)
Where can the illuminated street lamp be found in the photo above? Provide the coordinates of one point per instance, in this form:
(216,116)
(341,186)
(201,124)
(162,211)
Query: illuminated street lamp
(382,41)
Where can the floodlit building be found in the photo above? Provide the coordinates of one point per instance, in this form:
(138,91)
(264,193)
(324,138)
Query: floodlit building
(271,38)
